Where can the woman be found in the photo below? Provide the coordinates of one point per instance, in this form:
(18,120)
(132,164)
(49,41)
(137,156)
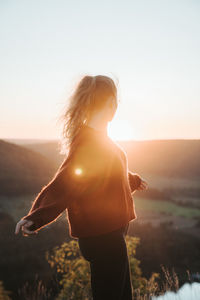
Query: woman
(94,186)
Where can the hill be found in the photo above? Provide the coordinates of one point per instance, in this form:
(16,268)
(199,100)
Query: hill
(47,149)
(171,158)
(171,167)
(22,171)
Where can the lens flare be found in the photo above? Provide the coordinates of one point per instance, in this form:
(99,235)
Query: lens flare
(78,171)
(121,130)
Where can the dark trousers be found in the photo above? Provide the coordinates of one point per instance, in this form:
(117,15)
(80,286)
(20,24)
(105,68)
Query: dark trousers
(109,265)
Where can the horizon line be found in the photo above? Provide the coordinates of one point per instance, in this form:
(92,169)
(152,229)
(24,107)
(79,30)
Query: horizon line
(128,140)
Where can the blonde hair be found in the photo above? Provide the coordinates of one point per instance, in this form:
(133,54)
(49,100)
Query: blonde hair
(89,95)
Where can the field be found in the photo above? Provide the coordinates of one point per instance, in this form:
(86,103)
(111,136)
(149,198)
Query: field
(167,207)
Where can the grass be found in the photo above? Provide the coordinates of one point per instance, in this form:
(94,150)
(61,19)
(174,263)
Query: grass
(17,206)
(170,283)
(166,206)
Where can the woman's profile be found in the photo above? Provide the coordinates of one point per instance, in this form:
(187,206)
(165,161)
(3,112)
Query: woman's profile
(94,186)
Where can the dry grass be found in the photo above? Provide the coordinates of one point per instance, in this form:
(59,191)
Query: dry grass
(38,291)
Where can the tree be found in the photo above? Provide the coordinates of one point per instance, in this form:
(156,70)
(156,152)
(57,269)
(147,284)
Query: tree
(4,295)
(75,270)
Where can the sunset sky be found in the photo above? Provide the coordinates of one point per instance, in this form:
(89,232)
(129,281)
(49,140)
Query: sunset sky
(152,47)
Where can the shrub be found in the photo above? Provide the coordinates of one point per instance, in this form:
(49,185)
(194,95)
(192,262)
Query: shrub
(75,270)
(4,295)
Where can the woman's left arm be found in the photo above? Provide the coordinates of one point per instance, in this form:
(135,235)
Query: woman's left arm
(136,182)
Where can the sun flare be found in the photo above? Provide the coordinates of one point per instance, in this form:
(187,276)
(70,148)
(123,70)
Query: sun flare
(120,130)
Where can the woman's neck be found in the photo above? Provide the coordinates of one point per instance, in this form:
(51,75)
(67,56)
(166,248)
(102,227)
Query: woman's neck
(98,126)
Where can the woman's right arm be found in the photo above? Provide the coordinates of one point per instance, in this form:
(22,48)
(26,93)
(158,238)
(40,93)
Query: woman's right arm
(76,176)
(52,200)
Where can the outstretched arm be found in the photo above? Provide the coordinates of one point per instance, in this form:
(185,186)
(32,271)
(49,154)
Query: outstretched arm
(55,197)
(51,201)
(77,174)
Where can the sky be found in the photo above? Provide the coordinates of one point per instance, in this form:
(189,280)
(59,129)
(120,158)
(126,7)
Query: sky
(151,46)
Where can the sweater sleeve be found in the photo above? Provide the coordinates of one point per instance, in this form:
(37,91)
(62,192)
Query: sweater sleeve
(134,180)
(51,201)
(78,172)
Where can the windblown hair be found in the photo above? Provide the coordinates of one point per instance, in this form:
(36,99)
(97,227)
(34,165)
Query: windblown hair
(89,95)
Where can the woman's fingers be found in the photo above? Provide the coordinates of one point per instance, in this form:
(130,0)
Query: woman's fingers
(28,223)
(23,224)
(143,185)
(26,231)
(19,225)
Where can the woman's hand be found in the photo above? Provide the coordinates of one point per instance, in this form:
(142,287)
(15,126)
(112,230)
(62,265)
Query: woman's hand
(143,185)
(23,224)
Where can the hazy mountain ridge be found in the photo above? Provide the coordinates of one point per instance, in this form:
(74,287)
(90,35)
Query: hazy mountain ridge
(177,158)
(47,149)
(22,171)
(171,167)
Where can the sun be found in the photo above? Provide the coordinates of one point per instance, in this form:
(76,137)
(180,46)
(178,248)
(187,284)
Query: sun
(120,130)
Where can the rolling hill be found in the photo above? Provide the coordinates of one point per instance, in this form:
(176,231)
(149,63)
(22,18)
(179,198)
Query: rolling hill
(22,171)
(169,158)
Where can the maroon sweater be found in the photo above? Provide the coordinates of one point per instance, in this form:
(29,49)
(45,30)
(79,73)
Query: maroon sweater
(94,186)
